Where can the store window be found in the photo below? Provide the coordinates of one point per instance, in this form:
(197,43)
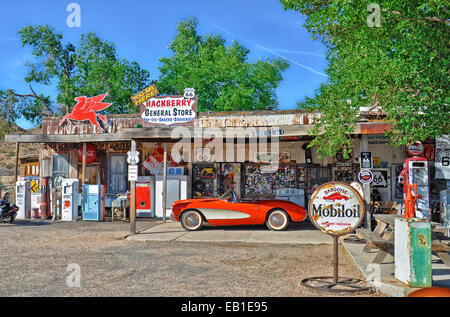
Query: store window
(117,173)
(60,164)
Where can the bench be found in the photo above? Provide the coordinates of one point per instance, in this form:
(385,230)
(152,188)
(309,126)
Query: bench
(375,241)
(388,222)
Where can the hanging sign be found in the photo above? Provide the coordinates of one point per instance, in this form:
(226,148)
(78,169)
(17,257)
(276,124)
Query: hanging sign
(336,208)
(170,110)
(86,109)
(91,153)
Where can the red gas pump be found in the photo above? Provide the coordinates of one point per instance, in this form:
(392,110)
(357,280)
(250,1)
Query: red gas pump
(45,197)
(415,176)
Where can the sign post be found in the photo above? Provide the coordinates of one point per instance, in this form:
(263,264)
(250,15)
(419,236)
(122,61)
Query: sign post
(335,208)
(133,159)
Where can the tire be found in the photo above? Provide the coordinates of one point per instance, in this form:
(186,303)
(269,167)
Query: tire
(191,220)
(277,220)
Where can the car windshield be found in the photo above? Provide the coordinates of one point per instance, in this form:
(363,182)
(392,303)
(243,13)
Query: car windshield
(229,195)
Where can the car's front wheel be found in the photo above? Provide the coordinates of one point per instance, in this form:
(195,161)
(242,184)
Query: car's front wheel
(277,220)
(191,220)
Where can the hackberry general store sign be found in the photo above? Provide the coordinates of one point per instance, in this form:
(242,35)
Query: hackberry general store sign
(170,110)
(336,208)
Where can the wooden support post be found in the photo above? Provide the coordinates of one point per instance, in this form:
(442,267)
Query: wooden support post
(133,198)
(16,166)
(164,183)
(335,258)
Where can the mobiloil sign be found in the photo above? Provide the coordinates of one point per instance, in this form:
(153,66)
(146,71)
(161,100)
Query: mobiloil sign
(335,208)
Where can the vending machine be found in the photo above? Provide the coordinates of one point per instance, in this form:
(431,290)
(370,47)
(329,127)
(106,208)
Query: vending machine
(177,189)
(415,170)
(93,202)
(145,196)
(69,204)
(23,199)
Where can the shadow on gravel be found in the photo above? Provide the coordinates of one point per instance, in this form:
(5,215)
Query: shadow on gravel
(26,223)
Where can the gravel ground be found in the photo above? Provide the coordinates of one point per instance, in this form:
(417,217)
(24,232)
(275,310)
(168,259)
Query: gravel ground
(39,252)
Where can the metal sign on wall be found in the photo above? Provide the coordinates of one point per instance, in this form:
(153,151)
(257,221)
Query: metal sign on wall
(442,157)
(336,208)
(169,110)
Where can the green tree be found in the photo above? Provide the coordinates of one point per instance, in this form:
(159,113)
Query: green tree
(90,69)
(222,77)
(400,64)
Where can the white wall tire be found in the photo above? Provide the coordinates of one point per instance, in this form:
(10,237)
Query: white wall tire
(277,220)
(191,220)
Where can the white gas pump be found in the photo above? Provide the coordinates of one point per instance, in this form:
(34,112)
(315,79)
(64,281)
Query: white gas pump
(69,197)
(23,199)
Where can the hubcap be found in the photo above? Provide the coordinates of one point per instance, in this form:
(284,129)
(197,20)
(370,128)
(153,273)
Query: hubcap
(192,220)
(277,220)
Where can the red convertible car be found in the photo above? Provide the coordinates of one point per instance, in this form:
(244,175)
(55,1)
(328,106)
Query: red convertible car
(228,210)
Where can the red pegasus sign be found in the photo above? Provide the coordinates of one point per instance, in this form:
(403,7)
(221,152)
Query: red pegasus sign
(86,109)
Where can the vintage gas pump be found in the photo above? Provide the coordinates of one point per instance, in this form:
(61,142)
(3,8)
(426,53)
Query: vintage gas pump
(23,199)
(45,197)
(69,191)
(415,171)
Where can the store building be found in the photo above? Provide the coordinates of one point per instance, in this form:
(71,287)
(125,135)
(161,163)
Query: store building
(226,149)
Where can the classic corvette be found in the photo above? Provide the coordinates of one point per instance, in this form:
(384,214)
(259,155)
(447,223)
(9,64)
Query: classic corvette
(229,210)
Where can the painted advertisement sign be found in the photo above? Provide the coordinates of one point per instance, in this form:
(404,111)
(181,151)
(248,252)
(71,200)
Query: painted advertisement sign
(169,110)
(336,208)
(154,162)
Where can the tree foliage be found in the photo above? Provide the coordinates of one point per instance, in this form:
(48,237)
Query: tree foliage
(91,68)
(401,66)
(222,77)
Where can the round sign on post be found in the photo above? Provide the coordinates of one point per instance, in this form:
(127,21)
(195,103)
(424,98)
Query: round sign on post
(415,149)
(335,208)
(365,176)
(91,153)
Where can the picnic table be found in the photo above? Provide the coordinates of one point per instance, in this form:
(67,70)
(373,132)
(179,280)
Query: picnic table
(382,238)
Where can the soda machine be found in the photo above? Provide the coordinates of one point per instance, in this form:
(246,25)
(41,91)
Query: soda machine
(23,199)
(69,191)
(145,196)
(177,189)
(93,202)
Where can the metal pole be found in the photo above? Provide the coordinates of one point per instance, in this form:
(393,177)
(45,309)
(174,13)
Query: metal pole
(335,258)
(133,198)
(164,183)
(364,147)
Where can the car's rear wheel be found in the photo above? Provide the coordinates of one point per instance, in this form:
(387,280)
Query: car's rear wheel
(191,220)
(277,220)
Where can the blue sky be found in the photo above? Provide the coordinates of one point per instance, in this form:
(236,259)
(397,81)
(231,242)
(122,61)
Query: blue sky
(142,31)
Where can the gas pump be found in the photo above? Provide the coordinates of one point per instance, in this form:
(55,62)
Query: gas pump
(415,171)
(45,197)
(69,191)
(23,199)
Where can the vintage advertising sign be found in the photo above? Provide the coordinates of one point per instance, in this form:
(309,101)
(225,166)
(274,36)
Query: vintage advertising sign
(365,176)
(442,157)
(144,95)
(415,149)
(169,110)
(154,162)
(91,153)
(86,109)
(336,208)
